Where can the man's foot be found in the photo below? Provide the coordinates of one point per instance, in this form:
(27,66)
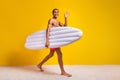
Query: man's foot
(66,74)
(40,67)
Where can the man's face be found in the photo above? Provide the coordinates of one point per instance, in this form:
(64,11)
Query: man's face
(56,13)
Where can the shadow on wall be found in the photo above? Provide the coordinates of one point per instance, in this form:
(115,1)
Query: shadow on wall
(24,57)
(13,52)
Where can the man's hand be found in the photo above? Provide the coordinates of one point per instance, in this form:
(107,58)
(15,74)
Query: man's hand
(47,44)
(66,15)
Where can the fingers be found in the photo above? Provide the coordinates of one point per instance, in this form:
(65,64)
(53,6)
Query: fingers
(66,14)
(47,45)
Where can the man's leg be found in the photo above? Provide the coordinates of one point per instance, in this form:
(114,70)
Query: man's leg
(59,53)
(45,59)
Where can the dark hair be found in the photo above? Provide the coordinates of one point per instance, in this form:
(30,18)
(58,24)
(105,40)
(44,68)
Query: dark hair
(54,10)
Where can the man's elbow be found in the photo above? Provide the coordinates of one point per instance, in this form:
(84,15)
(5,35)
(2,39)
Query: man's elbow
(65,25)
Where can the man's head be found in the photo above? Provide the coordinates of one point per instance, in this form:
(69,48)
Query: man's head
(55,12)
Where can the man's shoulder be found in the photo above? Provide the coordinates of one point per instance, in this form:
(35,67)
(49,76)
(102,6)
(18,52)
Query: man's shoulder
(50,20)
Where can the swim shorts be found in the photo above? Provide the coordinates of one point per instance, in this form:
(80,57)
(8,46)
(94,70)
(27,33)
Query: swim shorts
(53,48)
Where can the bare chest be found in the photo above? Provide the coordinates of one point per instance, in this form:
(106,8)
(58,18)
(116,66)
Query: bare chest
(55,23)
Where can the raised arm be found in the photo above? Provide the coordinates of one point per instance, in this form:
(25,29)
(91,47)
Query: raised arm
(66,21)
(48,32)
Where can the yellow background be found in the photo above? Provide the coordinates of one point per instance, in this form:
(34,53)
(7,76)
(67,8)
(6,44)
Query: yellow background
(98,19)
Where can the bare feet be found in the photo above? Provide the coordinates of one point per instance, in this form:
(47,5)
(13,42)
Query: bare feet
(40,67)
(66,74)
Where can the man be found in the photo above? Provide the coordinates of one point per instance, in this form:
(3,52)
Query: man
(53,22)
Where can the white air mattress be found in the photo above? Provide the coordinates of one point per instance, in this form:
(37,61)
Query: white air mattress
(59,36)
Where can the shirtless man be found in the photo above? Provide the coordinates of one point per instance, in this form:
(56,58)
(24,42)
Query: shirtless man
(53,22)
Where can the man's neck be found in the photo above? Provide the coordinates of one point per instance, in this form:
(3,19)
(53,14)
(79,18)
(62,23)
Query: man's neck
(54,17)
